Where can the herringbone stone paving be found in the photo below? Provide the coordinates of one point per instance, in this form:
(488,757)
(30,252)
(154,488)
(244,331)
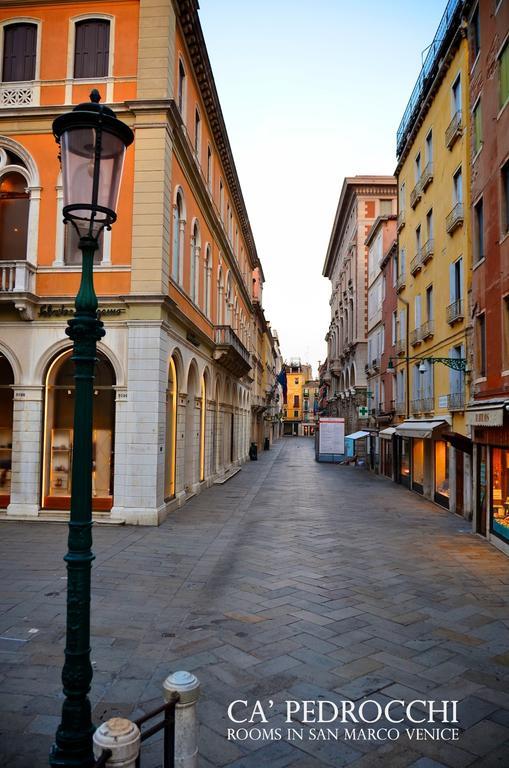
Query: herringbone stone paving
(293,581)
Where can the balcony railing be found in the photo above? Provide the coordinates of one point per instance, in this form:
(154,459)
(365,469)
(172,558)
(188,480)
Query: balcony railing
(230,351)
(455,311)
(386,408)
(416,194)
(416,263)
(19,94)
(428,250)
(400,346)
(427,404)
(427,175)
(455,218)
(400,282)
(415,337)
(400,407)
(456,401)
(454,129)
(335,365)
(416,406)
(375,363)
(17,277)
(401,220)
(427,329)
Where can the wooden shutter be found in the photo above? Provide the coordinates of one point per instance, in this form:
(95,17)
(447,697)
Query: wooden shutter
(20,45)
(92,48)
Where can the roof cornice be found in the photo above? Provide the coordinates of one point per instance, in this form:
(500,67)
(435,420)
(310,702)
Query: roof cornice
(187,15)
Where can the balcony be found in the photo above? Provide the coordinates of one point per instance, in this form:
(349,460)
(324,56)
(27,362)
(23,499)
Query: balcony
(416,263)
(16,277)
(427,176)
(415,337)
(400,283)
(400,407)
(428,250)
(385,409)
(455,312)
(415,194)
(456,401)
(335,366)
(401,220)
(400,346)
(230,351)
(19,94)
(416,406)
(427,329)
(427,404)
(455,218)
(454,130)
(375,364)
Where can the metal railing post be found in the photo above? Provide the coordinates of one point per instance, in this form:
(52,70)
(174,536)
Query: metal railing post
(187,686)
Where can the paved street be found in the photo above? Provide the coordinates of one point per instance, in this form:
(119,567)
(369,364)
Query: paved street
(294,580)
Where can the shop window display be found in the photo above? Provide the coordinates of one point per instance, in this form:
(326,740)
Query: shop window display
(500,492)
(404,461)
(58,434)
(442,473)
(417,465)
(6,404)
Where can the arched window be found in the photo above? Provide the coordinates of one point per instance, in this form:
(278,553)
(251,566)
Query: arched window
(228,301)
(92,48)
(220,288)
(197,132)
(207,268)
(194,260)
(14,207)
(179,223)
(19,52)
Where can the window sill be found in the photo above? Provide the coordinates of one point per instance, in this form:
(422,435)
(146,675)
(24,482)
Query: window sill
(502,109)
(504,237)
(478,263)
(480,380)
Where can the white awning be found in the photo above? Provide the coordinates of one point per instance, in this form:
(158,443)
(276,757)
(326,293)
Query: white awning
(356,435)
(420,428)
(485,414)
(387,433)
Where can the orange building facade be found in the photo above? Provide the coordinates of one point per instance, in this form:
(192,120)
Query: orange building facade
(174,277)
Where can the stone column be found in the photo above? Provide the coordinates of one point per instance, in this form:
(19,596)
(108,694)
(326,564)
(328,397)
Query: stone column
(180,446)
(26,451)
(186,722)
(122,738)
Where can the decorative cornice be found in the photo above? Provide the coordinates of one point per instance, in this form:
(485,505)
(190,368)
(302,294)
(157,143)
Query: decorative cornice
(187,14)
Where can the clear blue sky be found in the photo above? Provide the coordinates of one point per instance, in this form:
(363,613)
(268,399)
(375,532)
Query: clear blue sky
(311,92)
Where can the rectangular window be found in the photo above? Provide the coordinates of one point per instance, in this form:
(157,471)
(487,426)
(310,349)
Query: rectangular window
(402,198)
(92,48)
(295,401)
(499,512)
(481,345)
(475,33)
(478,231)
(503,75)
(457,192)
(20,46)
(418,242)
(456,96)
(221,199)
(429,147)
(477,126)
(181,88)
(418,167)
(209,167)
(197,131)
(429,303)
(505,197)
(394,326)
(417,311)
(296,414)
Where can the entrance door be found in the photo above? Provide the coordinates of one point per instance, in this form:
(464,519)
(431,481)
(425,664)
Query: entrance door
(6,406)
(459,483)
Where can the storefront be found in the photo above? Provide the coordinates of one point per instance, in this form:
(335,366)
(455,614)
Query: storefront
(58,434)
(491,463)
(423,458)
(403,475)
(6,418)
(387,451)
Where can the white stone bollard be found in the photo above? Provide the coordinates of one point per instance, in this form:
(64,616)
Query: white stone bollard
(186,721)
(122,737)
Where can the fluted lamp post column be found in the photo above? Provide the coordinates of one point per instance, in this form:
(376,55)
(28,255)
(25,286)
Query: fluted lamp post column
(92,144)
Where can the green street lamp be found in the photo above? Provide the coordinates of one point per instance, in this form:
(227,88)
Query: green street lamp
(456,363)
(92,143)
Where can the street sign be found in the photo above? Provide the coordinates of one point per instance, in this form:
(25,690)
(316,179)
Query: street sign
(363,412)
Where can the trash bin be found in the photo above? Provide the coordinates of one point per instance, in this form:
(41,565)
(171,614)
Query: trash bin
(253,452)
(266,444)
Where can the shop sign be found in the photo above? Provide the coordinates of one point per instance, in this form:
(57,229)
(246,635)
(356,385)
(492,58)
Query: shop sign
(442,401)
(493,417)
(50,310)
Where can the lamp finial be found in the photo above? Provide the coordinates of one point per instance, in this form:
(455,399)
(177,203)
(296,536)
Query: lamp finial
(95,96)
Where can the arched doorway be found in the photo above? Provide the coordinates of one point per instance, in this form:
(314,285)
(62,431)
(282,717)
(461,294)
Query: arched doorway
(171,431)
(58,433)
(6,417)
(192,431)
(203,425)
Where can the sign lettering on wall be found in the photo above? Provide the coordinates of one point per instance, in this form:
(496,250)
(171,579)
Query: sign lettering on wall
(489,418)
(50,310)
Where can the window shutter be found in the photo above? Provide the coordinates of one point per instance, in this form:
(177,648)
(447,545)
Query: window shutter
(92,48)
(20,45)
(460,278)
(418,310)
(452,284)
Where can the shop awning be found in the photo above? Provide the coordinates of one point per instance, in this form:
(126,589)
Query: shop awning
(387,433)
(420,428)
(356,435)
(487,413)
(459,441)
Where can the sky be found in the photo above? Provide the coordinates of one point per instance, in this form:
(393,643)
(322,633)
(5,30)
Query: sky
(311,92)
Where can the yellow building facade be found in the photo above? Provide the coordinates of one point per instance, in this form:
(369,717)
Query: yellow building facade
(297,376)
(433,275)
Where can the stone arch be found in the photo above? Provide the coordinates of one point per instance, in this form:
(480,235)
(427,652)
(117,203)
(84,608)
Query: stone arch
(192,428)
(13,361)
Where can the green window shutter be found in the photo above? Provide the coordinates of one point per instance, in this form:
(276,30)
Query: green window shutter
(504,75)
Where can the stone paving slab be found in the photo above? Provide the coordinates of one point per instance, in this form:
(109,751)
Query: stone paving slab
(294,581)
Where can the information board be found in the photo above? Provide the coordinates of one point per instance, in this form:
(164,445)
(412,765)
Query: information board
(331,437)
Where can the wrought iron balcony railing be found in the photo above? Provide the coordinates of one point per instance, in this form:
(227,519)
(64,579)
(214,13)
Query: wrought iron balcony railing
(416,263)
(230,351)
(454,218)
(400,282)
(455,311)
(454,129)
(427,175)
(427,250)
(416,194)
(401,220)
(415,337)
(456,401)
(427,329)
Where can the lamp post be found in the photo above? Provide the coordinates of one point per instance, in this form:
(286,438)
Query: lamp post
(92,150)
(456,363)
